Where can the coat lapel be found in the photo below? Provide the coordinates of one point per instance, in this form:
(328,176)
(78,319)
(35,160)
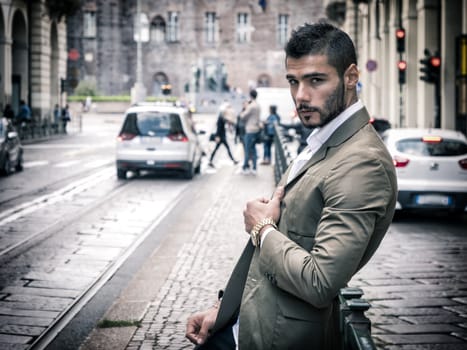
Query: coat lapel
(234,290)
(342,133)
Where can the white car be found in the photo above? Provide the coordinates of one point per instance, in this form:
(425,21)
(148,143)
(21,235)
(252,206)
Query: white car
(158,136)
(431,166)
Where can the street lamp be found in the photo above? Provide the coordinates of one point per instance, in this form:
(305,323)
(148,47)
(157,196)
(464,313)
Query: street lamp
(138,91)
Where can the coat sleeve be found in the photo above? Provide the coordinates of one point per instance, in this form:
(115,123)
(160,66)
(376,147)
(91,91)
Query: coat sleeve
(355,195)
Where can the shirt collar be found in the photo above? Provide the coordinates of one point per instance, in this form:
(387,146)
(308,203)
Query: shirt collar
(320,135)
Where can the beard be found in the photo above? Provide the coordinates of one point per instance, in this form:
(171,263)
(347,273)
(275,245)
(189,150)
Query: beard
(333,106)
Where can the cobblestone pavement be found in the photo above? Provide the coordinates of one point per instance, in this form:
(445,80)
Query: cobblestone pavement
(417,286)
(204,263)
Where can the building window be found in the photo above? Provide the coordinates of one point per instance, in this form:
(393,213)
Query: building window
(211,27)
(89,26)
(243,28)
(172,27)
(282,29)
(157,29)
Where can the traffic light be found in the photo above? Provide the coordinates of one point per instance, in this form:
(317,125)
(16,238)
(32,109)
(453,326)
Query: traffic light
(400,38)
(63,85)
(431,66)
(435,65)
(402,67)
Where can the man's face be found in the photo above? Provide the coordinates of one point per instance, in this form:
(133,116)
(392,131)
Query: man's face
(316,89)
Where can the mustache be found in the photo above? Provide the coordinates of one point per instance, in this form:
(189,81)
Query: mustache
(304,107)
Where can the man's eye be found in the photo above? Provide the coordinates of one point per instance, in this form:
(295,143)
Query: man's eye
(292,82)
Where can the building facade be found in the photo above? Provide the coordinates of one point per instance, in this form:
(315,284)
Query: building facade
(438,26)
(204,48)
(32,56)
(195,47)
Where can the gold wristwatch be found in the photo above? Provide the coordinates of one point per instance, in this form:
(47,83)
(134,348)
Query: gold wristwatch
(255,232)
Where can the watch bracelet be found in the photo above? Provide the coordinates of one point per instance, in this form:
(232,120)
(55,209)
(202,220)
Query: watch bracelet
(255,237)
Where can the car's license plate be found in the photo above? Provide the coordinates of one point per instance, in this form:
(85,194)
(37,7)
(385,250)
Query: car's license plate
(433,199)
(150,162)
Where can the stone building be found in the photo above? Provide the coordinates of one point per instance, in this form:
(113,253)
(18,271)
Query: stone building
(438,26)
(202,48)
(197,46)
(32,55)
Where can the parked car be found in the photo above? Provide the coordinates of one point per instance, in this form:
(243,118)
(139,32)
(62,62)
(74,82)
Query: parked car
(158,136)
(431,166)
(11,150)
(380,125)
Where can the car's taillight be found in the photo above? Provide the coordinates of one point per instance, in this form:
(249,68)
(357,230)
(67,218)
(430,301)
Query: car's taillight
(432,139)
(463,163)
(125,136)
(400,162)
(178,137)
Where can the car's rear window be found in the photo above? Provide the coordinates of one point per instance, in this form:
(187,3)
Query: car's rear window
(152,124)
(418,147)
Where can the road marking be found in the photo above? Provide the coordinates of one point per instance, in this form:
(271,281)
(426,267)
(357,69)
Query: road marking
(66,164)
(35,163)
(69,146)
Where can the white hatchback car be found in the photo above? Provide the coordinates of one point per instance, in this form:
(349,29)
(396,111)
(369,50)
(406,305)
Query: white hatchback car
(431,166)
(158,136)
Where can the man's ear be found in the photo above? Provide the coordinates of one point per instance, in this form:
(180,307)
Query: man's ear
(351,76)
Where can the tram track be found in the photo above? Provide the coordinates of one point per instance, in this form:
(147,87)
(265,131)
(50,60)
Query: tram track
(21,199)
(100,202)
(67,315)
(64,193)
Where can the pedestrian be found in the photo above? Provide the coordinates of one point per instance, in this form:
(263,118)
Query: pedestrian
(250,115)
(24,114)
(8,113)
(240,132)
(268,134)
(66,117)
(221,138)
(325,220)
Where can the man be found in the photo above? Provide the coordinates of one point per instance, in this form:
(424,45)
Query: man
(250,115)
(268,133)
(325,220)
(24,114)
(221,137)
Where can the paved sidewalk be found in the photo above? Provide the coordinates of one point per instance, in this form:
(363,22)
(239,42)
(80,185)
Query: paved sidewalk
(185,273)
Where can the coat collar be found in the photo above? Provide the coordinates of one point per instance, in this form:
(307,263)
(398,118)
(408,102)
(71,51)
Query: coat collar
(357,121)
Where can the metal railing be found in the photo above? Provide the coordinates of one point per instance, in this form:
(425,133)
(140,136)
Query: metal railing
(35,129)
(282,156)
(354,326)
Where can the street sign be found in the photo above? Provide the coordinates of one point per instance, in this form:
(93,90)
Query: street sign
(371,65)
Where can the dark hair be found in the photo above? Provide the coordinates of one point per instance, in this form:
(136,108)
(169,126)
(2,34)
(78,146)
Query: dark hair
(322,39)
(253,94)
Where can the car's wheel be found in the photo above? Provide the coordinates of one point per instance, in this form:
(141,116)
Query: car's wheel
(198,168)
(19,162)
(6,166)
(190,172)
(121,174)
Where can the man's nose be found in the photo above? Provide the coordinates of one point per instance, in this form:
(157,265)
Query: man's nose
(302,94)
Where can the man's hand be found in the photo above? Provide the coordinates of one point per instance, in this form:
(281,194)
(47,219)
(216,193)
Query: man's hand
(261,208)
(199,325)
